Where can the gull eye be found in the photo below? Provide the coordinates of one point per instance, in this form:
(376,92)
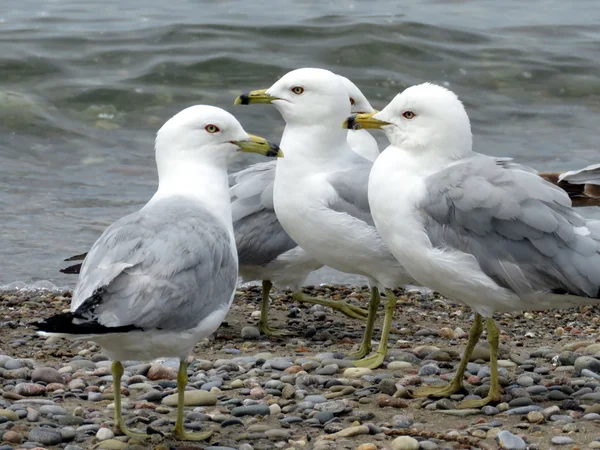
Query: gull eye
(352,101)
(212,128)
(297,90)
(408,115)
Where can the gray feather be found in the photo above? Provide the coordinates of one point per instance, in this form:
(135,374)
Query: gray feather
(165,267)
(520,228)
(259,236)
(351,186)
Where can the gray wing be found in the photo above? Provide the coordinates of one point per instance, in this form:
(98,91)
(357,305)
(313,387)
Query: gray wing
(164,267)
(259,236)
(351,188)
(520,228)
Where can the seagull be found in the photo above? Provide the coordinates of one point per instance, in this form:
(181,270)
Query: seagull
(161,279)
(494,236)
(265,251)
(320,191)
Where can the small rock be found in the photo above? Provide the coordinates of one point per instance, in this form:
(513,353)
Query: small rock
(30,389)
(9,414)
(405,443)
(157,372)
(250,333)
(357,372)
(509,441)
(192,398)
(535,417)
(104,434)
(367,446)
(45,436)
(251,410)
(13,437)
(399,365)
(354,431)
(47,375)
(587,362)
(562,440)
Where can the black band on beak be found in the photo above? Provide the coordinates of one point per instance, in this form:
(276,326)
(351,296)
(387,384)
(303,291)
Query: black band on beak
(244,99)
(351,123)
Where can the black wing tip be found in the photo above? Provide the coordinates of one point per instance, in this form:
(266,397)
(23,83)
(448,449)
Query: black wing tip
(74,269)
(63,324)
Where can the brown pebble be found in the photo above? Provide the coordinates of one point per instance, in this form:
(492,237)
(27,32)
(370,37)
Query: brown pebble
(384,400)
(13,437)
(54,387)
(161,373)
(367,447)
(293,369)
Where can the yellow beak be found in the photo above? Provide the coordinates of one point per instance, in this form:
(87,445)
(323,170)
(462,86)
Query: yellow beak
(255,97)
(256,144)
(364,121)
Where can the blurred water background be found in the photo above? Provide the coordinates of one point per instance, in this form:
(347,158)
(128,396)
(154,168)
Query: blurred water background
(85,85)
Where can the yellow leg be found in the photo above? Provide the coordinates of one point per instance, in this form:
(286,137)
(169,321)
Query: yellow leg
(494,394)
(263,323)
(365,346)
(373,362)
(457,382)
(345,308)
(180,433)
(117,372)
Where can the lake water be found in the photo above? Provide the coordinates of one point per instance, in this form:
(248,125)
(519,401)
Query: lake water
(85,85)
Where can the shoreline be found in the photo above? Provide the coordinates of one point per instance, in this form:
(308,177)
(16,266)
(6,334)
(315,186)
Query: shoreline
(550,371)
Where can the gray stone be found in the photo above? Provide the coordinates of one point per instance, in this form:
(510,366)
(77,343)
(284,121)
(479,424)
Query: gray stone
(324,416)
(250,333)
(587,362)
(567,358)
(429,369)
(335,407)
(387,386)
(45,436)
(280,363)
(402,421)
(251,410)
(47,375)
(509,441)
(562,440)
(52,410)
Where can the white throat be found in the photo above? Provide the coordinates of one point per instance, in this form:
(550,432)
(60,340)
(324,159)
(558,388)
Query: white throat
(203,181)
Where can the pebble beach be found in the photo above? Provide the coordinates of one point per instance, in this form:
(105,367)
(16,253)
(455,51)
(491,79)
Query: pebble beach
(299,392)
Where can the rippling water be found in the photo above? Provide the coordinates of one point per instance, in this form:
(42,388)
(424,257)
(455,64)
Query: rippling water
(85,85)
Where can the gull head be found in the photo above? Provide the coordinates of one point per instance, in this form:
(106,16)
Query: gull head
(358,102)
(305,97)
(205,133)
(422,118)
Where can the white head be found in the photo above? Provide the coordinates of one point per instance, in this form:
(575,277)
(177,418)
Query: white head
(423,118)
(358,102)
(305,97)
(206,134)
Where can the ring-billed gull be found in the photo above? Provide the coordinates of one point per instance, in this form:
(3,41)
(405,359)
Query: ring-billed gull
(159,280)
(265,250)
(320,191)
(494,236)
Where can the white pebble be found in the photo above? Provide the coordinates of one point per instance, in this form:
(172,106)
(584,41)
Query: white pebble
(104,434)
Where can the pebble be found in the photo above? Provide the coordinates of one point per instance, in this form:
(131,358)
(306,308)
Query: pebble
(47,375)
(357,372)
(587,362)
(251,410)
(562,440)
(250,333)
(405,443)
(104,434)
(354,431)
(507,440)
(46,436)
(192,398)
